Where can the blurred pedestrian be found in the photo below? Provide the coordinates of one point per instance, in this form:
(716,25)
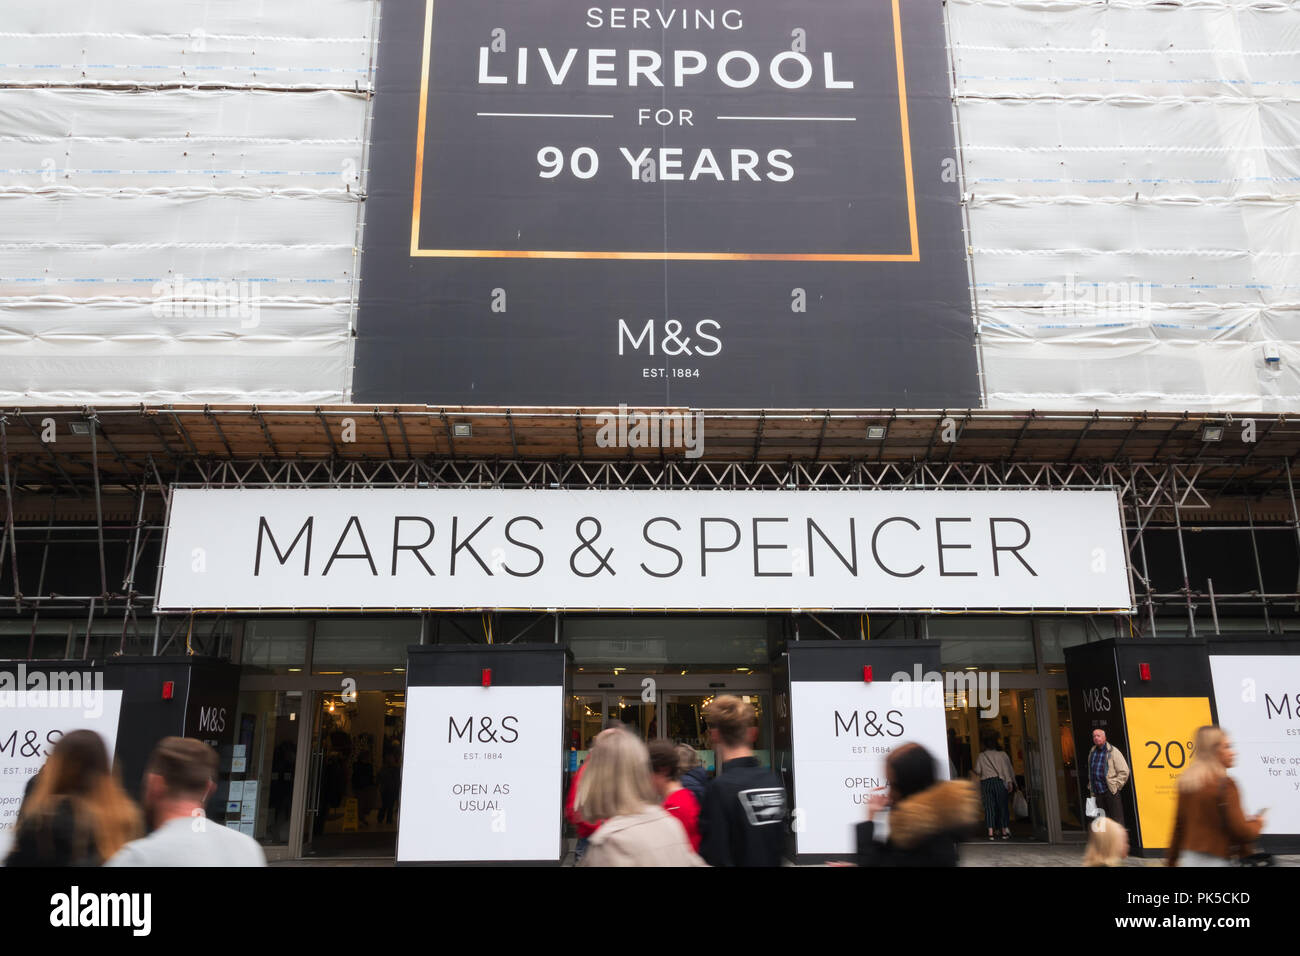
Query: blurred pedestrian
(616,788)
(1209,825)
(1107,843)
(695,777)
(76,814)
(178,780)
(677,800)
(927,816)
(583,828)
(742,821)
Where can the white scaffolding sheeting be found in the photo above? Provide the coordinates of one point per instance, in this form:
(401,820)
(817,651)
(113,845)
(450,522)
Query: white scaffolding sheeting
(312,44)
(1132,181)
(181,189)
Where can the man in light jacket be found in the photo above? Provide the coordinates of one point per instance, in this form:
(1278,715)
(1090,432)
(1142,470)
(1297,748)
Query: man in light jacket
(1107,775)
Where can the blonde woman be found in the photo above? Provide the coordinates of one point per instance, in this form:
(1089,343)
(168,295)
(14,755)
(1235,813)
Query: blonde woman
(1107,844)
(617,787)
(1209,826)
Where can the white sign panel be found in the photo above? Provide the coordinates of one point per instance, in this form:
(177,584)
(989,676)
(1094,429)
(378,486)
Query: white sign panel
(481,774)
(454,548)
(1258,699)
(843,731)
(32,721)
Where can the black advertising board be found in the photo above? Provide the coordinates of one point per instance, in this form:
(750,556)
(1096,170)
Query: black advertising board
(204,692)
(750,205)
(1149,696)
(1096,703)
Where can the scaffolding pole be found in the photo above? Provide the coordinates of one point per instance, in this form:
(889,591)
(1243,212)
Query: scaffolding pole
(10,530)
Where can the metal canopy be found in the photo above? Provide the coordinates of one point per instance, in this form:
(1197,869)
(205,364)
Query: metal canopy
(75,470)
(132,437)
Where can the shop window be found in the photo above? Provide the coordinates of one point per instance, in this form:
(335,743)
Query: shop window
(51,643)
(211,635)
(276,646)
(1234,625)
(363,645)
(1002,643)
(1055,634)
(67,638)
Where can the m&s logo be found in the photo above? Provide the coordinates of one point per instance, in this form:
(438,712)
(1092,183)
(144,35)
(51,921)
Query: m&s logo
(891,725)
(212,719)
(487,731)
(1096,699)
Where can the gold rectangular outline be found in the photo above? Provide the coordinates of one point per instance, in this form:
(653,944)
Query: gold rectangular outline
(416,251)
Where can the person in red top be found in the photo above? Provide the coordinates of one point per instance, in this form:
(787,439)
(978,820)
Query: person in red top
(677,800)
(585,829)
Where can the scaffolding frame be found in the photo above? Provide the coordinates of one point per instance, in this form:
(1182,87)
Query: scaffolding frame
(1252,494)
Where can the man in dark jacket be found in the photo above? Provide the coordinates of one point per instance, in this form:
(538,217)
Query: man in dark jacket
(742,822)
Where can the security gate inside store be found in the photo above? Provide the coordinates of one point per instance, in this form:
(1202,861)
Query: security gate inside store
(661,707)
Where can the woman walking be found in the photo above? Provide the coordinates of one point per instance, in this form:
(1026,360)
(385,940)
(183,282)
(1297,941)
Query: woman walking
(997,780)
(77,814)
(1209,825)
(616,787)
(927,816)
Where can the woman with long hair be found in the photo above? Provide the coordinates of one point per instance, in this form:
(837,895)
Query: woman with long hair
(76,814)
(1209,825)
(927,816)
(617,788)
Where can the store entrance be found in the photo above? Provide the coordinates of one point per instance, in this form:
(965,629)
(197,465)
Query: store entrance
(354,780)
(1014,729)
(662,707)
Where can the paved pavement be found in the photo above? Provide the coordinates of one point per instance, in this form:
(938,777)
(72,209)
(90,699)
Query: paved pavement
(1038,854)
(972,854)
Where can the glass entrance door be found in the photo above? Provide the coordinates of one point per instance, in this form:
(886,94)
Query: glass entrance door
(639,716)
(685,724)
(259,800)
(355,770)
(1015,730)
(1066,763)
(675,712)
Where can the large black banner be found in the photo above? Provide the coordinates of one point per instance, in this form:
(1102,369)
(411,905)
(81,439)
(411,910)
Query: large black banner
(744,205)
